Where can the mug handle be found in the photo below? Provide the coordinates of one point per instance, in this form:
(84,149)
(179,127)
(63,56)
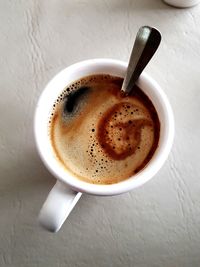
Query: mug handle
(58,205)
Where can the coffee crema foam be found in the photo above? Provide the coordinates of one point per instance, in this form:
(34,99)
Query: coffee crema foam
(101,135)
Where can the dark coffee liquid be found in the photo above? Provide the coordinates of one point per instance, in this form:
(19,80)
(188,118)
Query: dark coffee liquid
(101,135)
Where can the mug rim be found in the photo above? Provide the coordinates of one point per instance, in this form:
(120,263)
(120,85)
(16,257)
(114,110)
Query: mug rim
(152,167)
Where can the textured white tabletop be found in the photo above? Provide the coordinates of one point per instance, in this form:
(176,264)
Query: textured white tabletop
(157,224)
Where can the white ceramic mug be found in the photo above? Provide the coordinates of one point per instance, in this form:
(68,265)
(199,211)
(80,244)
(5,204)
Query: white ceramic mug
(182,3)
(68,188)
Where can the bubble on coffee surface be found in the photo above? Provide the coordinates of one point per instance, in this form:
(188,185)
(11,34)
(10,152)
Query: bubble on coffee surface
(98,134)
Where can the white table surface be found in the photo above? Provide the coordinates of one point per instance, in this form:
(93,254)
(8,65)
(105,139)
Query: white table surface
(157,225)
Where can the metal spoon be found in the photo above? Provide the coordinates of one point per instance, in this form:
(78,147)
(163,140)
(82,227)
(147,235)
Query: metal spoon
(146,44)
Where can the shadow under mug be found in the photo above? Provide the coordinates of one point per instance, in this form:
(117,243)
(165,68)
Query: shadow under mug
(68,188)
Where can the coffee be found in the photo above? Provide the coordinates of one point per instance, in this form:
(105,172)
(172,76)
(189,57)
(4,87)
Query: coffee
(101,135)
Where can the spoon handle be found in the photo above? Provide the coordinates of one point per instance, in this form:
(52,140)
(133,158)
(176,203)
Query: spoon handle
(146,44)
